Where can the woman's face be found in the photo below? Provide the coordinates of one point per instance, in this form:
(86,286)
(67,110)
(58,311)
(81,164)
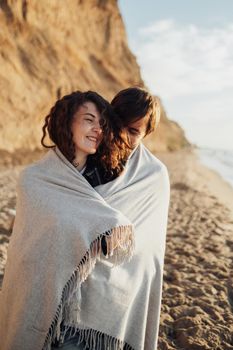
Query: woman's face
(86,129)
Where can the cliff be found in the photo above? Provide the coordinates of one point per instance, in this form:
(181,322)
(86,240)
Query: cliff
(48,49)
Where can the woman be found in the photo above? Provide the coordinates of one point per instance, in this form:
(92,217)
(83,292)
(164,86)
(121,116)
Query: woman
(75,125)
(54,221)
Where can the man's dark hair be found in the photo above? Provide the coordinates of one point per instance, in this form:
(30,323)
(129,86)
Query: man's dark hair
(135,103)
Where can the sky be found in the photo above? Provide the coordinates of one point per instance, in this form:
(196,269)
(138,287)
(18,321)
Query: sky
(185,51)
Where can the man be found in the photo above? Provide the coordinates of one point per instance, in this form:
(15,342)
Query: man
(138,111)
(141,193)
(139,114)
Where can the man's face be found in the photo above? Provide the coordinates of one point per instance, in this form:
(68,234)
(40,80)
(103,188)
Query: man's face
(136,131)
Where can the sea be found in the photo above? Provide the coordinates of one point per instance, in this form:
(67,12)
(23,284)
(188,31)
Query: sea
(219,160)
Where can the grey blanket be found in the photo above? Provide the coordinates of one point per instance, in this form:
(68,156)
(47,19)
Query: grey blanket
(56,272)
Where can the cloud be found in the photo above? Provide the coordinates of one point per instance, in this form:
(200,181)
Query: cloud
(191,69)
(185,59)
(207,119)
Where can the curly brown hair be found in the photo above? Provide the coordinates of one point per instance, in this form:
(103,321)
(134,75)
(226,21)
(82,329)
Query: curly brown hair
(113,151)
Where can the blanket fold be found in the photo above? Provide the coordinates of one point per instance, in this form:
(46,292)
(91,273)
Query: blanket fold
(119,249)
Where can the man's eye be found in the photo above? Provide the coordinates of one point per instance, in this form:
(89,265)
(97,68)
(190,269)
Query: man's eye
(133,132)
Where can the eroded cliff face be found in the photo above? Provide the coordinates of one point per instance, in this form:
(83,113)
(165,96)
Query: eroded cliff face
(50,48)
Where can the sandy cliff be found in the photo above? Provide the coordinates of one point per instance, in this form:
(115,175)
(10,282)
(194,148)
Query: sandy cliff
(49,48)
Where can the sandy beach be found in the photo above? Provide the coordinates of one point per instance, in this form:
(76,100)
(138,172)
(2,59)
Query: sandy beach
(197,305)
(198,284)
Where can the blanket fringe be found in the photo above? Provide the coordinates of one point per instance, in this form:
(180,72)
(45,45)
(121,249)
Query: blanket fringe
(120,247)
(96,340)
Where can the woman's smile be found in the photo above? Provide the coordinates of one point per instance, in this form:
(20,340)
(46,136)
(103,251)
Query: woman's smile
(93,138)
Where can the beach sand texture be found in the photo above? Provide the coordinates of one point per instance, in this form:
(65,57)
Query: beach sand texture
(197,305)
(198,286)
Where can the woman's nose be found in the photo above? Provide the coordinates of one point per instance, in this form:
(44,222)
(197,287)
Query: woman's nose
(97,127)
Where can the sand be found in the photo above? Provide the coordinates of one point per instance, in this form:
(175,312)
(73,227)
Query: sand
(197,305)
(198,285)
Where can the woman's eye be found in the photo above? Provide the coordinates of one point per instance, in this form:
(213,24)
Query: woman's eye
(89,120)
